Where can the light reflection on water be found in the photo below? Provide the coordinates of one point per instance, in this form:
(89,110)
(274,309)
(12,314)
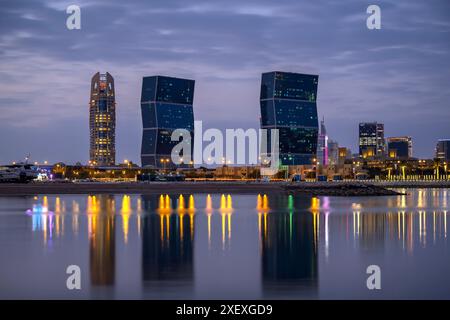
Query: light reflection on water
(225,246)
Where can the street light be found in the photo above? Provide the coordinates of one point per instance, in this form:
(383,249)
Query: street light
(164,161)
(403,171)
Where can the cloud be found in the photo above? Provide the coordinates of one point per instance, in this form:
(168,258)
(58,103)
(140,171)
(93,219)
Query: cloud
(397,75)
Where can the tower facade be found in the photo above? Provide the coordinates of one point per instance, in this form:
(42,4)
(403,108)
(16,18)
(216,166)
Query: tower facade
(288,103)
(102,120)
(371,140)
(399,147)
(443,149)
(166,105)
(322,147)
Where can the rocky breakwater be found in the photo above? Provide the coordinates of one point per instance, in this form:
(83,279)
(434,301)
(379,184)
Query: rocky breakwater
(345,189)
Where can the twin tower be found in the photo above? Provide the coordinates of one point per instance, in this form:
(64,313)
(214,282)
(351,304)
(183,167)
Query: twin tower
(287,102)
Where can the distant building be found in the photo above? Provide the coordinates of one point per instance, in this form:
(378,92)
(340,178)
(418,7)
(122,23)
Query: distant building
(399,147)
(333,152)
(288,103)
(344,154)
(371,140)
(166,105)
(322,145)
(102,120)
(443,149)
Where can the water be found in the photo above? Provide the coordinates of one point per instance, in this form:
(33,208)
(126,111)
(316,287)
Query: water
(225,247)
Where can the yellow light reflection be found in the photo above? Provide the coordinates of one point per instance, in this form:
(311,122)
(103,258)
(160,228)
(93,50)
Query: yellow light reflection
(209,230)
(181,202)
(57,205)
(191,203)
(125,211)
(209,203)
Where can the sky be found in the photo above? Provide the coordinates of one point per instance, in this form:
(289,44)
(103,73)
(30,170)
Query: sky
(398,75)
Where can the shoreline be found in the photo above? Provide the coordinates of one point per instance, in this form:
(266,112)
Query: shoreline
(308,188)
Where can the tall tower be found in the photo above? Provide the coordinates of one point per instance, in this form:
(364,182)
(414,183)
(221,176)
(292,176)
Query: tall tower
(288,103)
(322,147)
(166,105)
(102,120)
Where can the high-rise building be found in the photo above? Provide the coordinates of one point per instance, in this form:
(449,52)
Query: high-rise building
(333,152)
(288,103)
(443,149)
(371,140)
(399,147)
(322,145)
(102,120)
(166,105)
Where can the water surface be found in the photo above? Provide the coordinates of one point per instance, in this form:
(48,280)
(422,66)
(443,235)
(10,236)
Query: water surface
(225,246)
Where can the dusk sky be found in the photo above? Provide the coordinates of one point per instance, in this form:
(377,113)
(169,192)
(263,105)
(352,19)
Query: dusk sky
(399,75)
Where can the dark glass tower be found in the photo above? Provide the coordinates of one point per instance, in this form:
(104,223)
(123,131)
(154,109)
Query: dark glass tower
(102,120)
(399,147)
(166,105)
(288,103)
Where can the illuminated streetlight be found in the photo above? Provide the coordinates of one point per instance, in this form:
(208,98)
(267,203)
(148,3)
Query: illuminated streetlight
(403,172)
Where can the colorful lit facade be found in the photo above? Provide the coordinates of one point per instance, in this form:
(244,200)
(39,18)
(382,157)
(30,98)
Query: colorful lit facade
(102,120)
(288,103)
(166,105)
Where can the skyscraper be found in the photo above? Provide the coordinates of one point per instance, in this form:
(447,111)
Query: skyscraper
(322,145)
(443,149)
(102,120)
(371,139)
(288,103)
(166,105)
(399,147)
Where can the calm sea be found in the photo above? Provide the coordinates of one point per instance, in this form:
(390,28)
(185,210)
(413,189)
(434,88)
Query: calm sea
(222,246)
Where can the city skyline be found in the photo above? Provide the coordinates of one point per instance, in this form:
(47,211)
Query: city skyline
(396,75)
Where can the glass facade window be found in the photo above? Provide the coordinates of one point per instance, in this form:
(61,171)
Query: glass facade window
(175,116)
(148,112)
(149,141)
(296,113)
(288,103)
(148,89)
(267,112)
(174,90)
(295,86)
(166,105)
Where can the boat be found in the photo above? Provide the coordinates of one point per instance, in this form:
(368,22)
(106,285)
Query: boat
(21,172)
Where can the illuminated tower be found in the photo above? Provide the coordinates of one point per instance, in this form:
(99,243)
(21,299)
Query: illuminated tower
(322,146)
(102,120)
(166,105)
(288,103)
